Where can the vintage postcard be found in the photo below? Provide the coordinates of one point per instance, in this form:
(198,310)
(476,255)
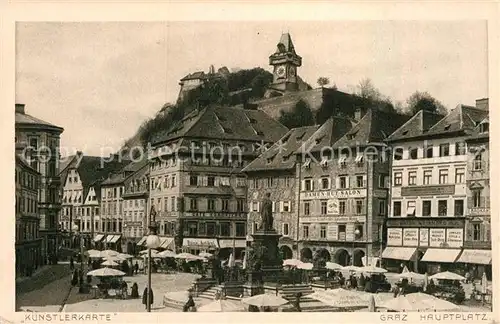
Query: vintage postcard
(281,165)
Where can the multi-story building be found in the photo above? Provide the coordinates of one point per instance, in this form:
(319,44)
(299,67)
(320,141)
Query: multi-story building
(28,241)
(429,191)
(344,188)
(41,142)
(477,255)
(274,172)
(196,183)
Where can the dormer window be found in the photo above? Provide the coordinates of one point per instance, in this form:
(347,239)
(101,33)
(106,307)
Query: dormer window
(324,162)
(484,127)
(447,127)
(318,140)
(227,130)
(359,159)
(300,136)
(351,135)
(342,161)
(285,139)
(307,163)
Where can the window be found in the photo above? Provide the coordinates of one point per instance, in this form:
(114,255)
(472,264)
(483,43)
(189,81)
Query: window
(324,207)
(427,177)
(460,148)
(359,230)
(476,232)
(342,207)
(305,231)
(286,229)
(342,232)
(239,205)
(442,207)
(429,151)
(286,206)
(325,183)
(460,175)
(396,210)
(484,127)
(255,183)
(398,153)
(343,182)
(322,231)
(412,178)
(307,207)
(359,181)
(413,153)
(359,206)
(193,204)
(211,181)
(476,198)
(444,149)
(443,176)
(173,181)
(241,230)
(225,229)
(288,181)
(342,161)
(192,228)
(382,207)
(193,180)
(240,182)
(210,229)
(359,160)
(34,143)
(172,204)
(255,206)
(459,207)
(410,208)
(477,164)
(383,181)
(426,208)
(225,205)
(398,178)
(308,185)
(211,205)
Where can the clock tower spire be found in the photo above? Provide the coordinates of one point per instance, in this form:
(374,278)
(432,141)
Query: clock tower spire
(285,62)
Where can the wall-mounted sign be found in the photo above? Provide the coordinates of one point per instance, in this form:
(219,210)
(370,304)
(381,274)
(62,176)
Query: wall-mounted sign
(394,236)
(349,235)
(422,222)
(410,237)
(437,236)
(332,232)
(333,207)
(349,193)
(428,190)
(454,237)
(200,243)
(423,239)
(332,219)
(215,215)
(479,211)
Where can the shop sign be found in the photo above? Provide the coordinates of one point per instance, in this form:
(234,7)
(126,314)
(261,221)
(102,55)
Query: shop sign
(454,237)
(349,235)
(215,215)
(199,243)
(332,207)
(423,239)
(394,236)
(437,237)
(428,190)
(332,233)
(350,193)
(419,222)
(479,211)
(332,219)
(223,243)
(410,237)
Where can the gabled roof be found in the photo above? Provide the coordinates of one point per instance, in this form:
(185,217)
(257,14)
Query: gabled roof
(195,76)
(459,119)
(286,40)
(328,134)
(417,125)
(123,174)
(281,155)
(225,123)
(374,127)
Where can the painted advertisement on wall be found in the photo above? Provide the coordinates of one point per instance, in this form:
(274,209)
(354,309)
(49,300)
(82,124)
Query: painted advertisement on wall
(394,236)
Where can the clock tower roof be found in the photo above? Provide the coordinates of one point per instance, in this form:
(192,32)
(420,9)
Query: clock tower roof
(285,44)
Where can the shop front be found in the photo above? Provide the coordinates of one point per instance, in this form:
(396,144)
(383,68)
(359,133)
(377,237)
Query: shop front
(197,245)
(226,247)
(113,242)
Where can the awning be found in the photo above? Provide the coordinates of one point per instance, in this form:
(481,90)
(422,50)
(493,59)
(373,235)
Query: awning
(165,242)
(200,243)
(475,257)
(441,255)
(98,237)
(398,253)
(142,240)
(110,238)
(115,238)
(224,243)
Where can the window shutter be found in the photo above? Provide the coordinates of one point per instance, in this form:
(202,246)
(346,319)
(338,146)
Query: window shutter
(303,187)
(487,231)
(364,181)
(469,232)
(205,181)
(320,183)
(250,206)
(274,206)
(290,206)
(281,206)
(217,181)
(387,183)
(312,185)
(188,180)
(348,182)
(337,182)
(483,232)
(258,206)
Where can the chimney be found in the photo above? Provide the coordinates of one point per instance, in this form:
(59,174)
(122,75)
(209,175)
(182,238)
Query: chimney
(482,104)
(357,114)
(20,108)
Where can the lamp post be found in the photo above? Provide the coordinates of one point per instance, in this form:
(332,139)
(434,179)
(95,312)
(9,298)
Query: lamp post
(152,242)
(76,230)
(356,234)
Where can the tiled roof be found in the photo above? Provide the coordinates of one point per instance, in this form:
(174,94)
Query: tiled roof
(286,40)
(194,76)
(418,125)
(24,163)
(328,134)
(280,156)
(374,127)
(121,175)
(225,123)
(25,119)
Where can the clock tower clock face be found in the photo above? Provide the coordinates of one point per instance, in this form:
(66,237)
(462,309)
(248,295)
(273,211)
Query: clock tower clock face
(280,71)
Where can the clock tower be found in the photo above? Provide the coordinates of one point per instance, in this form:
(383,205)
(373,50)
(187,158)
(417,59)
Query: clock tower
(285,62)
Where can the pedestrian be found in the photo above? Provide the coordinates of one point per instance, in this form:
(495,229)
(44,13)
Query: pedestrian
(135,291)
(145,297)
(467,277)
(71,263)
(297,301)
(136,267)
(189,304)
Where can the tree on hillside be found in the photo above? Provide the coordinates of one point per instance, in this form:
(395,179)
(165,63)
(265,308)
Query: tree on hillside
(424,101)
(323,81)
(373,97)
(301,115)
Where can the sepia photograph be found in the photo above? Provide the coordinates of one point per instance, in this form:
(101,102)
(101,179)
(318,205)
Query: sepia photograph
(257,166)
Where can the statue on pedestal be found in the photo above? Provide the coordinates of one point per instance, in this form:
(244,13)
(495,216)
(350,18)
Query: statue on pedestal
(267,214)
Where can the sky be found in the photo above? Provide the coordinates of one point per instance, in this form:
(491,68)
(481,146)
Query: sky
(100,81)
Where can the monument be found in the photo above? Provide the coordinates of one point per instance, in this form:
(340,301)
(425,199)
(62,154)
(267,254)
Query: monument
(264,261)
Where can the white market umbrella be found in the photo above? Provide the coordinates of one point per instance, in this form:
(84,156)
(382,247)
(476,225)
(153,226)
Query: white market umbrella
(305,266)
(426,281)
(94,253)
(292,262)
(411,275)
(351,268)
(223,305)
(153,251)
(484,284)
(187,256)
(231,262)
(106,272)
(405,269)
(166,254)
(244,265)
(447,275)
(205,255)
(125,256)
(372,269)
(341,298)
(333,266)
(109,263)
(264,300)
(108,253)
(418,302)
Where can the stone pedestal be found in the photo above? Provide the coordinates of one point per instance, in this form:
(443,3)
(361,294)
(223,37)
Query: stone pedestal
(271,264)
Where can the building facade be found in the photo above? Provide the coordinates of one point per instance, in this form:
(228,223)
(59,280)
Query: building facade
(196,185)
(41,149)
(28,241)
(426,225)
(274,172)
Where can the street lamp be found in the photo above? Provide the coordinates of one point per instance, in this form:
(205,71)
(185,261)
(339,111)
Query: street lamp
(152,242)
(75,229)
(356,234)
